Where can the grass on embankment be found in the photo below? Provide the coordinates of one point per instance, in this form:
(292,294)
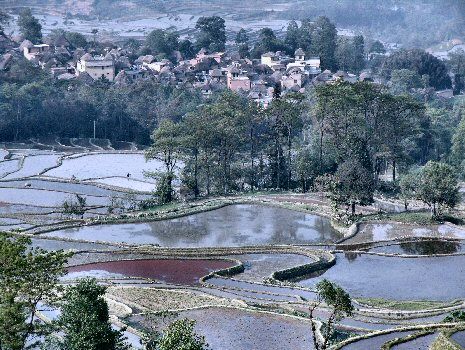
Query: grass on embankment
(443,343)
(406,305)
(413,217)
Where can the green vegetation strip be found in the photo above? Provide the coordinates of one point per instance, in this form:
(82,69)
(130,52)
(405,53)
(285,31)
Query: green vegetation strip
(418,328)
(422,217)
(444,343)
(400,305)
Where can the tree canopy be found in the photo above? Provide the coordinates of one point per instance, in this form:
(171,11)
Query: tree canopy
(340,304)
(84,319)
(28,276)
(29,26)
(211,33)
(422,63)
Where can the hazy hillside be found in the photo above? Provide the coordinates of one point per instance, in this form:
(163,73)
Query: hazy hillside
(420,23)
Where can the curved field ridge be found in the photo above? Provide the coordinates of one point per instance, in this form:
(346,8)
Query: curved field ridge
(34,165)
(104,165)
(421,342)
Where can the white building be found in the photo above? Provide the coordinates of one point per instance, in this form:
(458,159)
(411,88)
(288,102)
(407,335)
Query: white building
(275,60)
(31,51)
(157,66)
(310,66)
(97,66)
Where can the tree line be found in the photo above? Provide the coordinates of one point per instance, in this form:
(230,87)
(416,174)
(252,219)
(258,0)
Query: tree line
(339,138)
(33,105)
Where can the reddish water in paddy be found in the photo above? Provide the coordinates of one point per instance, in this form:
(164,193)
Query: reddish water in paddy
(178,271)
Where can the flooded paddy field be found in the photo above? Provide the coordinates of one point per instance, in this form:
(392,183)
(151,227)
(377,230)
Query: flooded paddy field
(9,166)
(34,184)
(176,271)
(266,291)
(29,193)
(103,165)
(421,247)
(34,165)
(232,329)
(396,278)
(234,225)
(373,232)
(420,343)
(53,244)
(11,209)
(375,343)
(62,186)
(126,183)
(44,198)
(459,338)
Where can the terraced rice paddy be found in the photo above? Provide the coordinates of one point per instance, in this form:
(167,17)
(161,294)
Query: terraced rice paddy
(423,247)
(232,329)
(375,342)
(35,165)
(390,231)
(459,338)
(420,343)
(99,166)
(235,225)
(396,278)
(177,271)
(258,232)
(9,166)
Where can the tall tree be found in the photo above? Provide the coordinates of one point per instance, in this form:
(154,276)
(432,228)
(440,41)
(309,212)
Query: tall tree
(267,41)
(212,33)
(456,64)
(458,144)
(324,42)
(292,38)
(345,53)
(340,305)
(438,187)
(242,41)
(186,47)
(4,19)
(350,53)
(359,53)
(403,81)
(181,335)
(29,26)
(305,35)
(285,119)
(168,144)
(161,41)
(421,62)
(28,276)
(84,319)
(377,47)
(355,184)
(402,119)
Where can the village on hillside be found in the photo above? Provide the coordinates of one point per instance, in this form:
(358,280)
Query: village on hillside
(258,79)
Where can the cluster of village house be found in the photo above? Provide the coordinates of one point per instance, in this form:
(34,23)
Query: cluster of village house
(208,72)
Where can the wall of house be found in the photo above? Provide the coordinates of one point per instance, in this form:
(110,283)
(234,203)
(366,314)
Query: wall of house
(96,72)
